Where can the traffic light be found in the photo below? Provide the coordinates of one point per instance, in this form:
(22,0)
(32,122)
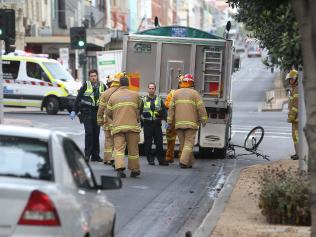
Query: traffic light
(78,38)
(7,24)
(3,24)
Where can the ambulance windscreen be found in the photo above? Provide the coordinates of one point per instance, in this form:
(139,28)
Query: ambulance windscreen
(58,72)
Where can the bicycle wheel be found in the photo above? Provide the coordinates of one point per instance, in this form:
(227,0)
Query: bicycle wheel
(254,138)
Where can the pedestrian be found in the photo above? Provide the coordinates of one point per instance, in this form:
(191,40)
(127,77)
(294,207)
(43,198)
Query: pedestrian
(152,111)
(113,83)
(123,117)
(171,133)
(293,109)
(186,112)
(86,107)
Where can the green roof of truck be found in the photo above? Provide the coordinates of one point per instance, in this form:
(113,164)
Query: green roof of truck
(179,31)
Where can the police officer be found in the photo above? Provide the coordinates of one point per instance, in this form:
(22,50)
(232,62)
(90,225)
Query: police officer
(86,106)
(152,112)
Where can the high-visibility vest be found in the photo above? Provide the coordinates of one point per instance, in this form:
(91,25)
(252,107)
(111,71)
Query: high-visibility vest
(147,113)
(89,95)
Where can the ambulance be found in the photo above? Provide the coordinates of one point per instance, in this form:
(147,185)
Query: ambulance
(37,81)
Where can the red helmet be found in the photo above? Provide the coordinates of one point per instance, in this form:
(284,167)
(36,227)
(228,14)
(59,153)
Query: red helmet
(188,78)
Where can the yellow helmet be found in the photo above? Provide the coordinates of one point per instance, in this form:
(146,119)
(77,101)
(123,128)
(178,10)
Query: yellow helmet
(118,76)
(291,74)
(180,77)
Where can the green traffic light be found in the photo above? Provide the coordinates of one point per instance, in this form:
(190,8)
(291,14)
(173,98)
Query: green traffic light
(81,43)
(0,31)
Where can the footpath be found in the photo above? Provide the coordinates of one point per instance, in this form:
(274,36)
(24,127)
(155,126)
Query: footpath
(236,213)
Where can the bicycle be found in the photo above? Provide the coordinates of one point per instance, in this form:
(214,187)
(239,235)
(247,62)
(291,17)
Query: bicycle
(251,144)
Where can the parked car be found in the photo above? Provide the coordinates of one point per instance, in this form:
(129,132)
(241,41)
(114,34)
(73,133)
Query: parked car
(47,188)
(254,51)
(240,48)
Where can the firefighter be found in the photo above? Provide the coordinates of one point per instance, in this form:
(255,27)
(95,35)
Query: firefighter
(293,109)
(171,133)
(113,83)
(186,112)
(123,117)
(152,111)
(87,102)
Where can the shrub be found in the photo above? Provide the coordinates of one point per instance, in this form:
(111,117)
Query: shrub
(284,196)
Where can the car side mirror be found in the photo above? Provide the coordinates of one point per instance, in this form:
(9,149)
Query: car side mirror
(110,182)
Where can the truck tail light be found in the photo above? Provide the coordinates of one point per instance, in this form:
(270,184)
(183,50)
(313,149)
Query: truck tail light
(39,211)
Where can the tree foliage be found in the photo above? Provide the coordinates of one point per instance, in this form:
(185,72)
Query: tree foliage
(275,25)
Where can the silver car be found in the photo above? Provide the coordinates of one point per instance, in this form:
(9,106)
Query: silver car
(47,189)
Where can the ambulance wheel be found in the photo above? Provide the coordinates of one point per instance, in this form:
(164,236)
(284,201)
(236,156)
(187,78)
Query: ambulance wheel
(52,105)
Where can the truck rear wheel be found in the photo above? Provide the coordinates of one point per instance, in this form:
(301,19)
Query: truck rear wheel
(52,105)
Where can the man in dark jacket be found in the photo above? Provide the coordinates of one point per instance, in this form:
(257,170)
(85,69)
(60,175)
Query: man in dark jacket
(86,107)
(153,110)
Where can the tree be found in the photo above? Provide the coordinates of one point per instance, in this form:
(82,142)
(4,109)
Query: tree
(303,47)
(275,25)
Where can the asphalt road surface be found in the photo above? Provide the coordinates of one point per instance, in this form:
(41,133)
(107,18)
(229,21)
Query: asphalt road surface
(169,201)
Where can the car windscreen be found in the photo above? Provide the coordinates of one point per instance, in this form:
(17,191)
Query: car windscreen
(58,72)
(24,158)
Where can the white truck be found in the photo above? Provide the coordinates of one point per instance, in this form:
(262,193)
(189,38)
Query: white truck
(160,54)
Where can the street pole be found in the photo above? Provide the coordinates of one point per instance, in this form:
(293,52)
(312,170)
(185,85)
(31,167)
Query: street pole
(302,145)
(84,67)
(1,86)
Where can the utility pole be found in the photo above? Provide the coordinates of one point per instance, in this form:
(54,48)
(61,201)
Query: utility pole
(7,35)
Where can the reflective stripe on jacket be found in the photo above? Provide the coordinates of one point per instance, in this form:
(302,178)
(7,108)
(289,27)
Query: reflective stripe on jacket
(147,113)
(101,115)
(123,111)
(187,109)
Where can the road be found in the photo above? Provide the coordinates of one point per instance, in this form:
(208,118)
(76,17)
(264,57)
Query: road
(168,201)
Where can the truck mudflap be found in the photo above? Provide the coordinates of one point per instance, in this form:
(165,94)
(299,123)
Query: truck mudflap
(213,135)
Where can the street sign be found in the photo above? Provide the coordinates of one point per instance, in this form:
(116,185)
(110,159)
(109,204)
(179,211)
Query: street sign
(64,56)
(108,63)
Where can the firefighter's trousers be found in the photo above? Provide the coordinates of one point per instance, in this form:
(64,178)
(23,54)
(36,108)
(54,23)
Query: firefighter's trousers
(295,133)
(108,146)
(186,139)
(171,135)
(130,139)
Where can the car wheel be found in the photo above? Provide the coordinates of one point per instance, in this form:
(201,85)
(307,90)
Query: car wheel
(52,105)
